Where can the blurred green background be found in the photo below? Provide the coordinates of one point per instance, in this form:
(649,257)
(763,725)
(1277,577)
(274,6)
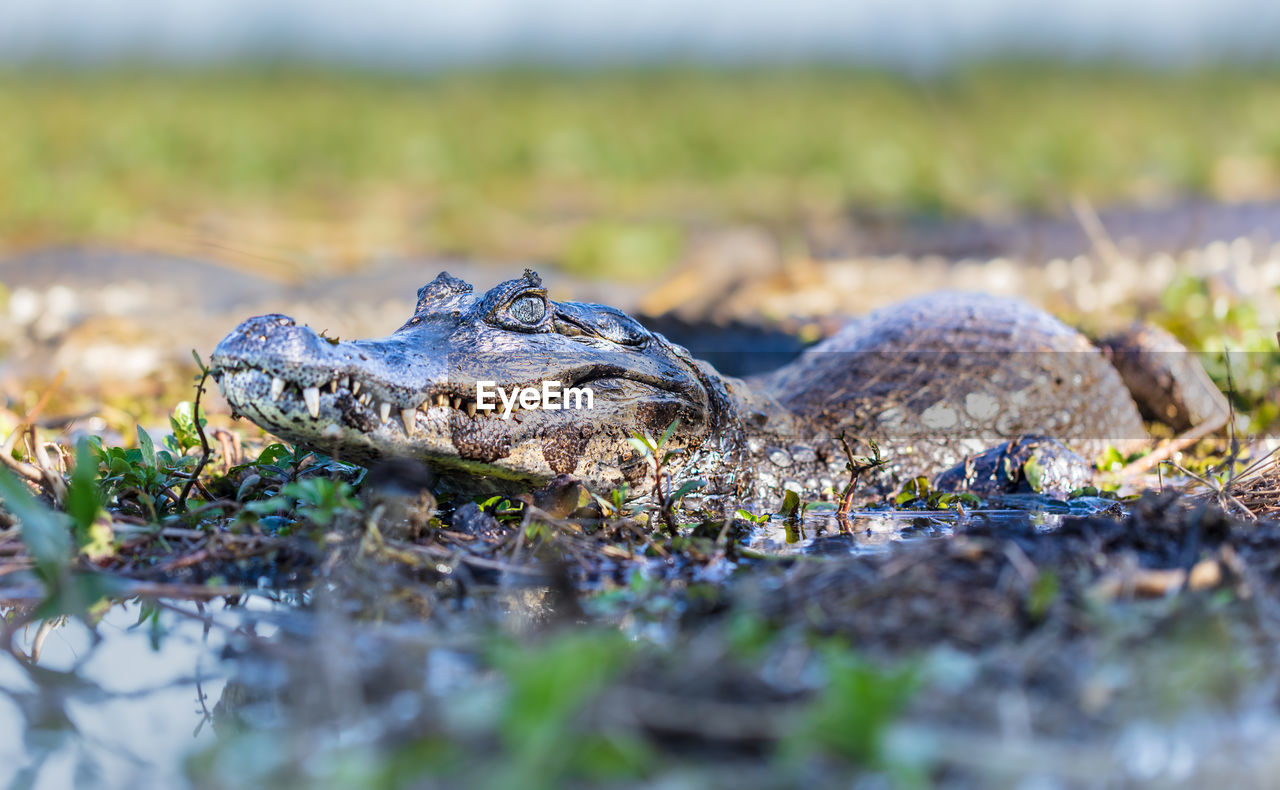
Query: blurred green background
(604,170)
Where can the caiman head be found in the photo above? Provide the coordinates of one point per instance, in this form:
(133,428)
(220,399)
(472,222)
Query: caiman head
(415,393)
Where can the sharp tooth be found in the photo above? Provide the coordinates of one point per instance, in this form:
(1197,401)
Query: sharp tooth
(312,396)
(355,388)
(457,402)
(410,418)
(333,387)
(471,408)
(277,387)
(385,411)
(346,382)
(442,400)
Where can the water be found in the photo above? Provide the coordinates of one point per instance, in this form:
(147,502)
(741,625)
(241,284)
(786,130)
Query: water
(822,533)
(255,693)
(112,708)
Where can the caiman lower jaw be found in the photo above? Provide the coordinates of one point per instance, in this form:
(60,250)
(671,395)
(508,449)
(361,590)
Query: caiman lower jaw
(347,419)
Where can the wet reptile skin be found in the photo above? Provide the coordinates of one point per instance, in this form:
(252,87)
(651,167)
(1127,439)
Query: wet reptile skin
(946,375)
(932,380)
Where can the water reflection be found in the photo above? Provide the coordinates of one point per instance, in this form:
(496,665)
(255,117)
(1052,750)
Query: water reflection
(257,688)
(117,706)
(824,533)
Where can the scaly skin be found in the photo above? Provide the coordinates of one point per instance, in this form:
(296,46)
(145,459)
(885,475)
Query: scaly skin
(413,393)
(932,380)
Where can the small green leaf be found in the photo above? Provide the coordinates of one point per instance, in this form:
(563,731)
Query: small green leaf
(44,532)
(1035,474)
(149,614)
(913,489)
(666,435)
(184,414)
(84,499)
(685,489)
(146,610)
(246,486)
(960,497)
(1111,459)
(618,497)
(752,517)
(274,453)
(790,504)
(147,447)
(183,423)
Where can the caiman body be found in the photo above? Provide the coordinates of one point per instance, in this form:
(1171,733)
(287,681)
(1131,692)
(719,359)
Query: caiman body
(932,381)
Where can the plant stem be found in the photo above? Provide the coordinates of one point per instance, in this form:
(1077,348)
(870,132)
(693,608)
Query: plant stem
(205,450)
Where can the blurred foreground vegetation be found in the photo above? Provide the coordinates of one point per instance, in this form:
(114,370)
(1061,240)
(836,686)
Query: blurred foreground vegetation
(324,168)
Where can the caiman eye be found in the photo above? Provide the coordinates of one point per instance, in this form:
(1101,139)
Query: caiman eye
(529,310)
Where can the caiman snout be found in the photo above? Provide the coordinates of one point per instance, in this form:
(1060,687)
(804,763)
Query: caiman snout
(277,345)
(273,355)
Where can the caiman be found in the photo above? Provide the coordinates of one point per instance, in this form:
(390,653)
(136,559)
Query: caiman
(934,381)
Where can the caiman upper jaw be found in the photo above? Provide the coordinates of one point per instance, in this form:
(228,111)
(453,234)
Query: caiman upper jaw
(294,363)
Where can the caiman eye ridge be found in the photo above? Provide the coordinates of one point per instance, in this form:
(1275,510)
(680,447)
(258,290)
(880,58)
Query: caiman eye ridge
(294,396)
